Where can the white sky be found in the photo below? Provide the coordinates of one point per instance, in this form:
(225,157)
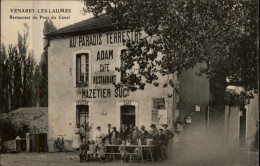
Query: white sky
(11,27)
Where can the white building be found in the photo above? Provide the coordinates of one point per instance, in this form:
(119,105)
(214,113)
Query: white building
(89,52)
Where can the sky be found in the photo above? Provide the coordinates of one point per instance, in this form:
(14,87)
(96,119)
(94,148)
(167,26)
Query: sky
(11,27)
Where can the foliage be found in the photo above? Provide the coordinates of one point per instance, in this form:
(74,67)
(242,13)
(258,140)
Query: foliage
(238,99)
(9,131)
(180,34)
(17,74)
(23,82)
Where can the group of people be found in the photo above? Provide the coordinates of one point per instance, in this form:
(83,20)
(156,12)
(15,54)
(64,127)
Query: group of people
(127,135)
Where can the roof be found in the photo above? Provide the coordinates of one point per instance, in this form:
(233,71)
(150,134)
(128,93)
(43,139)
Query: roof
(30,110)
(91,25)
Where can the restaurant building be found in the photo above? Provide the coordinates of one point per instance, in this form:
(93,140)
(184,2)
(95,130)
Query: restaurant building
(81,74)
(81,71)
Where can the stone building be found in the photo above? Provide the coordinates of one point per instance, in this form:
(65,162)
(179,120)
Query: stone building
(35,117)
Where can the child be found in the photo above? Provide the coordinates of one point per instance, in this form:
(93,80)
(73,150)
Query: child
(83,152)
(137,154)
(102,151)
(123,152)
(92,150)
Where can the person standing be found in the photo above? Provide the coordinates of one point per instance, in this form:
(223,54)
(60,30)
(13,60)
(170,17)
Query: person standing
(114,136)
(76,139)
(98,135)
(160,146)
(153,132)
(108,133)
(136,135)
(123,132)
(144,135)
(167,133)
(130,132)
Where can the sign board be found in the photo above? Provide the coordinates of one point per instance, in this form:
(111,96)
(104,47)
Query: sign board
(197,108)
(82,102)
(127,102)
(159,103)
(162,116)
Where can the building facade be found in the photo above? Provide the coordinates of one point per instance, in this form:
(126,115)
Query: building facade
(82,62)
(81,82)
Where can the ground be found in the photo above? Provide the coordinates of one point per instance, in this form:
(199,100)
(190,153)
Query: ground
(71,159)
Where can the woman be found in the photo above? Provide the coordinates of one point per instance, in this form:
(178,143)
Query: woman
(98,135)
(76,139)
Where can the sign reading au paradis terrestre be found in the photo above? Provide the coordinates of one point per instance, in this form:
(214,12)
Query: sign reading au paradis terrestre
(107,38)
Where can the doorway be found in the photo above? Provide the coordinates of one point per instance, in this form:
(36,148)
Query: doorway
(127,115)
(82,120)
(242,129)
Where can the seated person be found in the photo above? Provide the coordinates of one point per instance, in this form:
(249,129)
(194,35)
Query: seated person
(102,151)
(83,152)
(92,150)
(137,154)
(123,152)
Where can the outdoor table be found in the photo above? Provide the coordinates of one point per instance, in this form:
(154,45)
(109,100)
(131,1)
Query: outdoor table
(134,146)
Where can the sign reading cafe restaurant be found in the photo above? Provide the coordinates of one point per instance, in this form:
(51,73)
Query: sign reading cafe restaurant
(86,62)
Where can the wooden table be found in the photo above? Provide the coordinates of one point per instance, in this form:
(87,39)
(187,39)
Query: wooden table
(142,147)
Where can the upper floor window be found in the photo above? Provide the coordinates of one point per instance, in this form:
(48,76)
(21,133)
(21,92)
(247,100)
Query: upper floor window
(82,69)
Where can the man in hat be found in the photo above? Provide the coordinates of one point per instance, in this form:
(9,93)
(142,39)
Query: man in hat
(144,135)
(167,133)
(123,132)
(108,133)
(160,146)
(153,132)
(168,137)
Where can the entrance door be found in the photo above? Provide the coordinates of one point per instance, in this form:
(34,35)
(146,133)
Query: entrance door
(127,115)
(82,120)
(242,129)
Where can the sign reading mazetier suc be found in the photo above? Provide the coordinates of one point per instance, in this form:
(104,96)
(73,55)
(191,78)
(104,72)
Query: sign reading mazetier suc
(105,38)
(104,74)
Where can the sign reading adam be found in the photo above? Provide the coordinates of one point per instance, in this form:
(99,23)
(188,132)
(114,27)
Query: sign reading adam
(102,58)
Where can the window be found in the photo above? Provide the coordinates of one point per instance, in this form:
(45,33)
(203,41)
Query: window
(82,69)
(159,111)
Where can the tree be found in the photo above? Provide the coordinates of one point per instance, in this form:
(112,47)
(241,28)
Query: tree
(181,34)
(3,79)
(17,74)
(43,67)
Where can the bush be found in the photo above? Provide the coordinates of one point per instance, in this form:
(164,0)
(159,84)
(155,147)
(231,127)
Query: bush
(9,131)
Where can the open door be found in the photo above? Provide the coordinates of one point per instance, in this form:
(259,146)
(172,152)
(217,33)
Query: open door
(127,115)
(242,129)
